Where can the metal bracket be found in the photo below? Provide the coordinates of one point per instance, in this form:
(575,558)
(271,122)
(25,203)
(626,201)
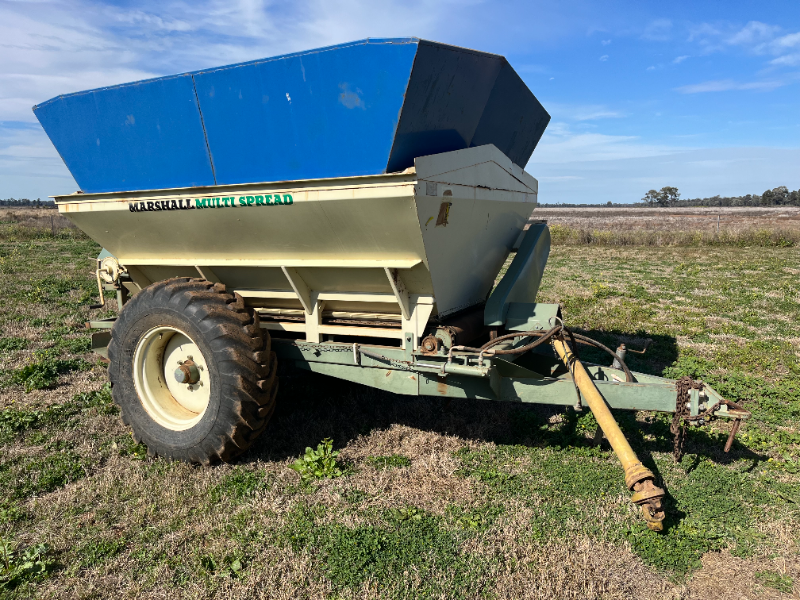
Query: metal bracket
(400,291)
(300,288)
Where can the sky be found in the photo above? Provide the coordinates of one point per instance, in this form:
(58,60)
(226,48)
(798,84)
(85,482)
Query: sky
(704,96)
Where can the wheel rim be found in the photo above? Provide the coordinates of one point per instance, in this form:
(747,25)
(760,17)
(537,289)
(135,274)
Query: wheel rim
(172,404)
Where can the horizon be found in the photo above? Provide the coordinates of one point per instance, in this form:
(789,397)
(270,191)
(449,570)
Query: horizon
(697,97)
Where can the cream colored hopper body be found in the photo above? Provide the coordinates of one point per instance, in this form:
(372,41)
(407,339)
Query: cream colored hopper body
(406,246)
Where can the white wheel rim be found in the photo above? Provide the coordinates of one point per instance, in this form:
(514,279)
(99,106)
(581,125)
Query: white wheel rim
(176,406)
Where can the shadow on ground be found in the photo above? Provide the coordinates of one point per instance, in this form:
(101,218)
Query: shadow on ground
(312,407)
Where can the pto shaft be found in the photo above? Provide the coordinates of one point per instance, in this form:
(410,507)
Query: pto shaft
(638,478)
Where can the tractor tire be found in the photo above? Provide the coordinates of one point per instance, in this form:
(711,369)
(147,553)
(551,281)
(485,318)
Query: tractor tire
(192,371)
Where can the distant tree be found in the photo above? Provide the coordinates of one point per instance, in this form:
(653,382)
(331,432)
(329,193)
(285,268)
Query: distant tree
(668,196)
(650,198)
(781,195)
(767,198)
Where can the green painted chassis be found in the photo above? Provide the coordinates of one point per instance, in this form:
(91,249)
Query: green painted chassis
(531,378)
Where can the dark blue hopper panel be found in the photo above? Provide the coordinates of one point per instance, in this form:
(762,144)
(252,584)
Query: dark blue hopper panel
(145,135)
(362,108)
(459,98)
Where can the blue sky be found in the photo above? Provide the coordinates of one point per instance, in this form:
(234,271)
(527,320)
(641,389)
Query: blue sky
(704,95)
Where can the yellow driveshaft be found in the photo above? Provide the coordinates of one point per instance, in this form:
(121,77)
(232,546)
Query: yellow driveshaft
(638,478)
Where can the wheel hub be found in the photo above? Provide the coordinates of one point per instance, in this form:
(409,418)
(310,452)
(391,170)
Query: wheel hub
(187,372)
(176,398)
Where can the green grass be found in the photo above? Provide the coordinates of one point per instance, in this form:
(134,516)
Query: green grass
(239,485)
(776,581)
(432,499)
(44,371)
(381,554)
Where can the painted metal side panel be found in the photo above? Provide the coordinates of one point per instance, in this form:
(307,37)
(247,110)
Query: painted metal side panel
(338,234)
(486,208)
(136,136)
(397,382)
(327,227)
(329,113)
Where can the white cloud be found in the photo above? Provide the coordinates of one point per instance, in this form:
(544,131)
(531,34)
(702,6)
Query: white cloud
(789,60)
(604,58)
(561,145)
(651,68)
(753,33)
(138,17)
(724,85)
(679,59)
(659,30)
(54,47)
(581,112)
(605,42)
(788,41)
(755,37)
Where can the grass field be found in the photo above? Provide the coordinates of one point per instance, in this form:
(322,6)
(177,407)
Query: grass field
(773,226)
(465,499)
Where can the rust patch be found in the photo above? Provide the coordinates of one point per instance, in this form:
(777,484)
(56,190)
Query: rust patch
(441,386)
(444,212)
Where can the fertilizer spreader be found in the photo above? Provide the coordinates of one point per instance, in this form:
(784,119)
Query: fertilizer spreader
(349,210)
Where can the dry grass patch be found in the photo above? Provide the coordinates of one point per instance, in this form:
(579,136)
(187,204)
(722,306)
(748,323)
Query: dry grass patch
(579,568)
(724,576)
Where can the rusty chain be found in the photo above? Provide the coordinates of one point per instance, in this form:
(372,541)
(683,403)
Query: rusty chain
(682,413)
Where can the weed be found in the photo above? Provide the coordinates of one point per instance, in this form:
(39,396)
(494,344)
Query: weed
(127,446)
(11,344)
(240,484)
(388,462)
(23,477)
(20,567)
(230,565)
(476,519)
(79,345)
(11,513)
(45,371)
(773,579)
(318,464)
(96,552)
(14,421)
(355,497)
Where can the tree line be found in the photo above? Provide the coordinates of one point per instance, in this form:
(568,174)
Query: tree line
(670,196)
(26,202)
